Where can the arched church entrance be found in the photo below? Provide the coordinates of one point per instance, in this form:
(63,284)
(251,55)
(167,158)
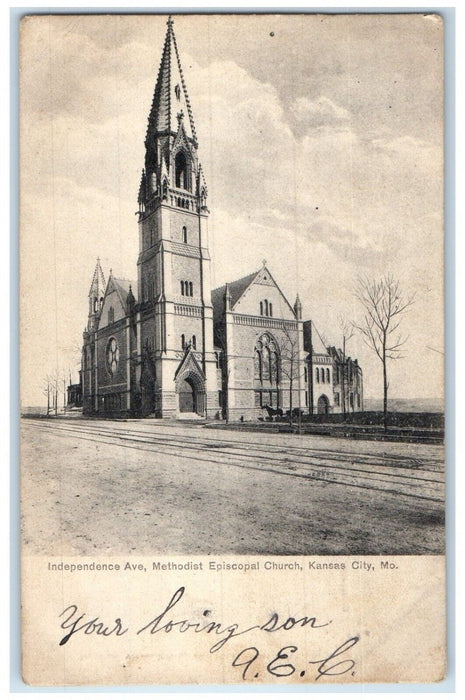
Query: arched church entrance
(323,404)
(191,394)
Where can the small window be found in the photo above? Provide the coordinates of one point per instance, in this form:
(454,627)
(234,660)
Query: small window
(191,289)
(182,288)
(194,342)
(184,234)
(327,375)
(317,375)
(306,398)
(305,375)
(271,309)
(261,308)
(111,315)
(322,375)
(183,341)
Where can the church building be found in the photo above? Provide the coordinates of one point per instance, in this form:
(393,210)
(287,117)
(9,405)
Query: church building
(167,345)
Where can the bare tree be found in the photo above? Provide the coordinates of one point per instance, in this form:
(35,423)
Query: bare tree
(220,340)
(290,366)
(47,391)
(347,331)
(383,304)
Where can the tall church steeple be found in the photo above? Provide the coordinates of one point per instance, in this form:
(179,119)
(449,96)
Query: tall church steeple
(171,161)
(174,286)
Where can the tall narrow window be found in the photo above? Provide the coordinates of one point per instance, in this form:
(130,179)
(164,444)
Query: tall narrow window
(183,341)
(317,375)
(111,315)
(266,307)
(180,166)
(194,342)
(261,308)
(182,288)
(266,363)
(191,289)
(323,375)
(257,365)
(271,309)
(184,234)
(327,375)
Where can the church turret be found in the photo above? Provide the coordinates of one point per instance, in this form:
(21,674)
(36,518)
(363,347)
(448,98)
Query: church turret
(96,292)
(227,298)
(298,308)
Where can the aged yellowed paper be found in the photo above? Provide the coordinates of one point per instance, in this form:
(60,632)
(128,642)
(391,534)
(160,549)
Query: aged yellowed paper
(232,432)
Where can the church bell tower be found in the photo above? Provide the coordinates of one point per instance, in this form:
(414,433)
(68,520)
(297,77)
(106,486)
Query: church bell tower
(178,374)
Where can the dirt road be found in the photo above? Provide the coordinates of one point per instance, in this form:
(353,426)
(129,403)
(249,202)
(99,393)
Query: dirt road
(161,487)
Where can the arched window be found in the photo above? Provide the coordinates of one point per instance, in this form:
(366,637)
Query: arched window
(180,168)
(184,234)
(194,342)
(266,307)
(191,289)
(327,375)
(183,341)
(182,288)
(261,308)
(323,375)
(95,304)
(271,309)
(317,375)
(266,361)
(186,288)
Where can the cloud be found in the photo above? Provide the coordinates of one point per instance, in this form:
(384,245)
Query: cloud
(319,112)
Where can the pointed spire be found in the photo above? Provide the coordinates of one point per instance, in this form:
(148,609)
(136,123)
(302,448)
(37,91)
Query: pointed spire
(227,297)
(170,95)
(298,308)
(97,287)
(142,187)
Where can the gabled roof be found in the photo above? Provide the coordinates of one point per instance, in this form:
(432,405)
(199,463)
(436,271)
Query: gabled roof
(170,96)
(238,288)
(121,287)
(189,361)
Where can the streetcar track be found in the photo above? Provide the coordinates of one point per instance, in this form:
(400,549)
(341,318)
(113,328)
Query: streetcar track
(295,450)
(151,439)
(95,436)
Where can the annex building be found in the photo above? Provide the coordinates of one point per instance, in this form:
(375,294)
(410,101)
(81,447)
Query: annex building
(168,345)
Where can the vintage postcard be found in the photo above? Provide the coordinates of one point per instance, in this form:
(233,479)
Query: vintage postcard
(232,354)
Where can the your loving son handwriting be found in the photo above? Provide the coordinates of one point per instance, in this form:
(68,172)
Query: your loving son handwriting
(335,663)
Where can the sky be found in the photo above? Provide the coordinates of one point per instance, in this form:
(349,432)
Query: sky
(321,141)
